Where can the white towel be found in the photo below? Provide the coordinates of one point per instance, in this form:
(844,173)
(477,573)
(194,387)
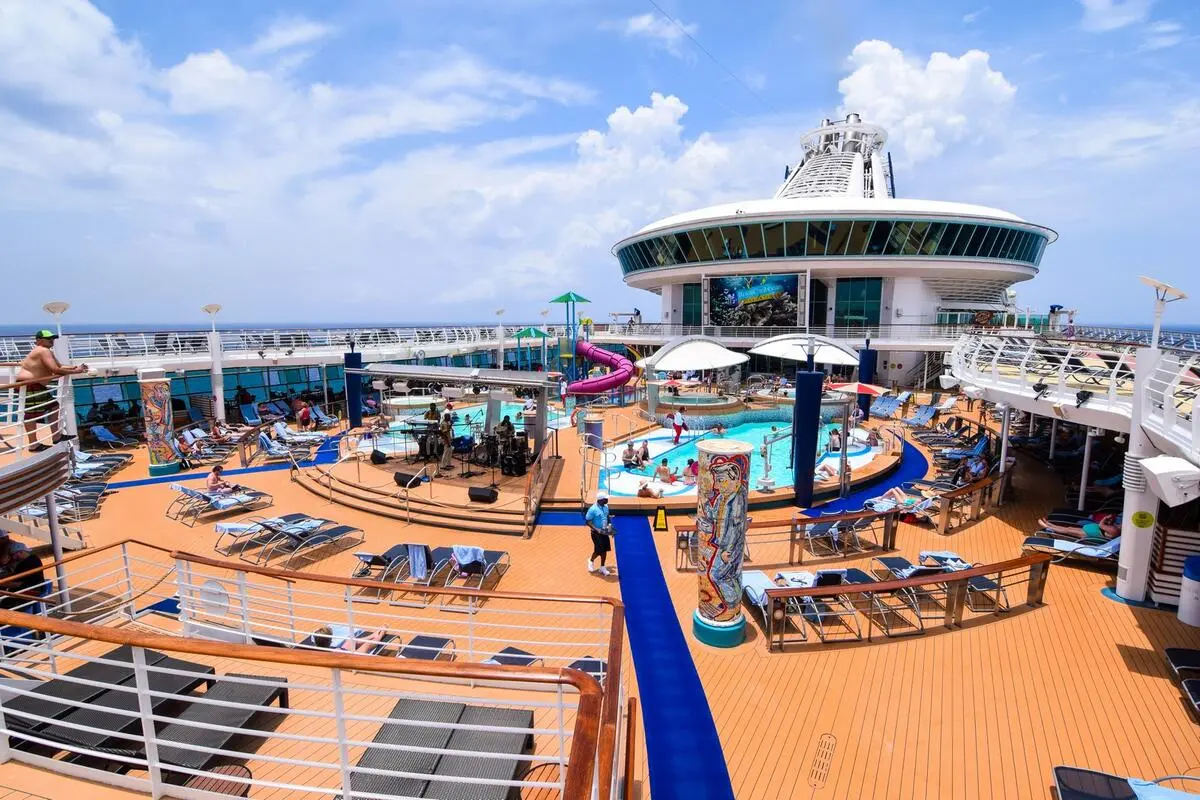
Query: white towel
(467,554)
(417,566)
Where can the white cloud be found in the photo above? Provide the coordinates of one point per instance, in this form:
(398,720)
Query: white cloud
(663,32)
(1161,35)
(925,105)
(1108,15)
(288,33)
(210,82)
(970,17)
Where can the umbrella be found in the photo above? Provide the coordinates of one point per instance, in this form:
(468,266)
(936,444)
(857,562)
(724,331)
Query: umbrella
(797,350)
(535,333)
(693,355)
(570,297)
(859,388)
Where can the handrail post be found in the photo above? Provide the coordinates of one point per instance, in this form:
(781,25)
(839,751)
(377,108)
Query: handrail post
(244,602)
(339,716)
(60,573)
(146,714)
(291,601)
(183,581)
(128,580)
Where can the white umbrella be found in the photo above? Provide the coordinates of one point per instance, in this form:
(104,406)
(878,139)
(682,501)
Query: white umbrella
(797,350)
(697,354)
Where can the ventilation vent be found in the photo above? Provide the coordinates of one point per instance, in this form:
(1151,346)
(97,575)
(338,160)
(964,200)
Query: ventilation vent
(1133,476)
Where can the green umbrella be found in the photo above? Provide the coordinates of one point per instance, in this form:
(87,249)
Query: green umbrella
(536,333)
(570,297)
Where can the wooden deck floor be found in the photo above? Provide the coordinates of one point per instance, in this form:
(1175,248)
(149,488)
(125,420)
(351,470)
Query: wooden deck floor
(981,712)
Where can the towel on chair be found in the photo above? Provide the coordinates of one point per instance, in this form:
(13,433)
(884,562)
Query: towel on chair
(418,567)
(467,554)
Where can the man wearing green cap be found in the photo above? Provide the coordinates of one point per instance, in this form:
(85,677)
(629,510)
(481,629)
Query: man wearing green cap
(39,369)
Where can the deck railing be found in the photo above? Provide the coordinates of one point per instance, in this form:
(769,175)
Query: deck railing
(539,479)
(29,414)
(789,609)
(338,699)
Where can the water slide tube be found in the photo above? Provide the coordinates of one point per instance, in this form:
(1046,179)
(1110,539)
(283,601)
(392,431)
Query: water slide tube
(622,370)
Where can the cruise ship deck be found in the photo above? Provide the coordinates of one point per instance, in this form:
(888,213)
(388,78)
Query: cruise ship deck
(985,708)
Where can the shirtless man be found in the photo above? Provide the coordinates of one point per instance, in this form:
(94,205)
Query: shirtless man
(41,367)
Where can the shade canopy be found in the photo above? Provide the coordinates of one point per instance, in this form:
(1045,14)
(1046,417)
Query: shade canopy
(798,347)
(570,297)
(531,333)
(692,353)
(859,388)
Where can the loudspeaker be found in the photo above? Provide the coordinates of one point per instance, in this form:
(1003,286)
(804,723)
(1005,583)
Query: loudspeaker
(378,457)
(482,494)
(407,480)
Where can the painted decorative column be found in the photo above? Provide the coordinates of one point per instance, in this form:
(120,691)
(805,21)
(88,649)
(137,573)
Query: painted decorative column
(158,417)
(722,490)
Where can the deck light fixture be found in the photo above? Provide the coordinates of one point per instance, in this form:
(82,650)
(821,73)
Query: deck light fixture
(1081,397)
(1163,293)
(1040,389)
(56,308)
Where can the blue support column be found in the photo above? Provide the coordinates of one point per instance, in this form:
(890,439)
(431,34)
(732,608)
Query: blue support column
(354,403)
(866,374)
(806,422)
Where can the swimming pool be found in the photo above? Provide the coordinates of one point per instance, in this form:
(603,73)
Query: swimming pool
(468,420)
(620,482)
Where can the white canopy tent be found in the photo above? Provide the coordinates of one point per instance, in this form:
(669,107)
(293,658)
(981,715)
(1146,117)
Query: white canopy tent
(692,353)
(798,346)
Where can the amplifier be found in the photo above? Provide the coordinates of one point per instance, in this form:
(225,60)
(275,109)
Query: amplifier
(482,494)
(407,480)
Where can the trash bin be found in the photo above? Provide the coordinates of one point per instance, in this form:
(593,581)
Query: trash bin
(1189,593)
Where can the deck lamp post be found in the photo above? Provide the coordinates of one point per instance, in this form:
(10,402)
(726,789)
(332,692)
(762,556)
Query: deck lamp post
(217,369)
(62,351)
(500,340)
(1139,511)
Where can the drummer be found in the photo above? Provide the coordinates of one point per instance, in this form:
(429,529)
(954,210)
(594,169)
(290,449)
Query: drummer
(505,429)
(432,414)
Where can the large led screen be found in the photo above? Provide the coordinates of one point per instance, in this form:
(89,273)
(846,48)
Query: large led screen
(746,300)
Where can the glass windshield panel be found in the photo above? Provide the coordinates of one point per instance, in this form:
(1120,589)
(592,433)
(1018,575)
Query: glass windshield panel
(753,237)
(879,238)
(932,238)
(699,245)
(972,250)
(773,234)
(964,238)
(818,234)
(916,234)
(797,232)
(860,233)
(716,244)
(989,241)
(683,245)
(897,239)
(839,233)
(731,236)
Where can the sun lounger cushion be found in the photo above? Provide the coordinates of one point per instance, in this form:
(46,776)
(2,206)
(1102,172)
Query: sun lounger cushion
(1183,659)
(514,742)
(755,584)
(406,760)
(513,657)
(231,688)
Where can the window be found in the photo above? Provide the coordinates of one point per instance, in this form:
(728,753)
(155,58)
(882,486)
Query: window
(752,235)
(1006,236)
(818,235)
(692,305)
(989,241)
(638,256)
(818,303)
(734,247)
(964,237)
(932,238)
(916,234)
(700,245)
(839,234)
(898,238)
(716,244)
(796,233)
(686,251)
(860,232)
(879,238)
(972,250)
(857,302)
(1022,248)
(773,234)
(949,236)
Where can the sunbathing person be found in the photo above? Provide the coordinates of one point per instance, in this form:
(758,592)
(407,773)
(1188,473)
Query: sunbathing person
(216,484)
(646,490)
(644,453)
(824,473)
(1106,526)
(691,473)
(322,637)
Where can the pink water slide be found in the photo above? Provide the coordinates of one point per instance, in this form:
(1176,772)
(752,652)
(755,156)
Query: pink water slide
(622,370)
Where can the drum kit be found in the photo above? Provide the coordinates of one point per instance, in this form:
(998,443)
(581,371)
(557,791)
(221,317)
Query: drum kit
(509,453)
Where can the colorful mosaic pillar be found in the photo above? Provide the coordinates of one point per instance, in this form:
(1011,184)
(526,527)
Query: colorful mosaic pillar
(723,488)
(157,414)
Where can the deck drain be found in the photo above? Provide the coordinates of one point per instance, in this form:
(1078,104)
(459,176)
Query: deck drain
(818,773)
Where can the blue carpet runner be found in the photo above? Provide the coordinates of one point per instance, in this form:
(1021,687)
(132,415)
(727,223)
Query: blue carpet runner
(683,751)
(913,467)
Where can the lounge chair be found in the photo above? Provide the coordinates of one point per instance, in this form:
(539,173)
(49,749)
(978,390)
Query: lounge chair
(979,588)
(293,543)
(491,730)
(928,601)
(321,418)
(105,436)
(246,534)
(250,414)
(388,763)
(755,584)
(189,504)
(469,571)
(427,648)
(921,418)
(827,532)
(395,565)
(1073,783)
(894,611)
(514,657)
(1183,660)
(823,612)
(596,667)
(290,437)
(1095,549)
(1191,691)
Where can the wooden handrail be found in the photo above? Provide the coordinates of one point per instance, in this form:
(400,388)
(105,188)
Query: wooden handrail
(970,488)
(849,516)
(630,748)
(33,382)
(585,734)
(1021,562)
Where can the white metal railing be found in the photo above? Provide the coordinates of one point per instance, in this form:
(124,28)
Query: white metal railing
(130,717)
(30,418)
(1169,402)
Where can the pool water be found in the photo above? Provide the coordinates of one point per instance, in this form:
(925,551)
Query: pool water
(619,481)
(665,399)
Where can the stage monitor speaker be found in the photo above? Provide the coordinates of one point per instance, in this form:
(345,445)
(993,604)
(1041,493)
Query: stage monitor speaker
(378,457)
(407,480)
(482,494)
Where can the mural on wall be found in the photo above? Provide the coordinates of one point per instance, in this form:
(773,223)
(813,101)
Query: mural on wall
(156,411)
(752,300)
(722,490)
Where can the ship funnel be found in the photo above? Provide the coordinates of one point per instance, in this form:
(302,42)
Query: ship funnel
(853,118)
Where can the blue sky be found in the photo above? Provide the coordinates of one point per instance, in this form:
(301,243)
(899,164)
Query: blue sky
(433,160)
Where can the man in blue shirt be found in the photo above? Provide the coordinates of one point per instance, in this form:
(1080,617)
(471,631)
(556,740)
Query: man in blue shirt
(601,529)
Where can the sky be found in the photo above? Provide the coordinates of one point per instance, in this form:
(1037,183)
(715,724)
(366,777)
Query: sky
(441,160)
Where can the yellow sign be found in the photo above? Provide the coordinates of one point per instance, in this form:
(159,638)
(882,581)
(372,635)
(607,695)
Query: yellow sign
(660,518)
(1142,519)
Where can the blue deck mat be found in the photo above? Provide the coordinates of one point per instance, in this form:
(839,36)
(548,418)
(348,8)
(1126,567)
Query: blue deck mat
(913,466)
(683,750)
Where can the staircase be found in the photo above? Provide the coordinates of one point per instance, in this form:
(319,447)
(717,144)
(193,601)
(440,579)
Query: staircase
(926,371)
(413,508)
